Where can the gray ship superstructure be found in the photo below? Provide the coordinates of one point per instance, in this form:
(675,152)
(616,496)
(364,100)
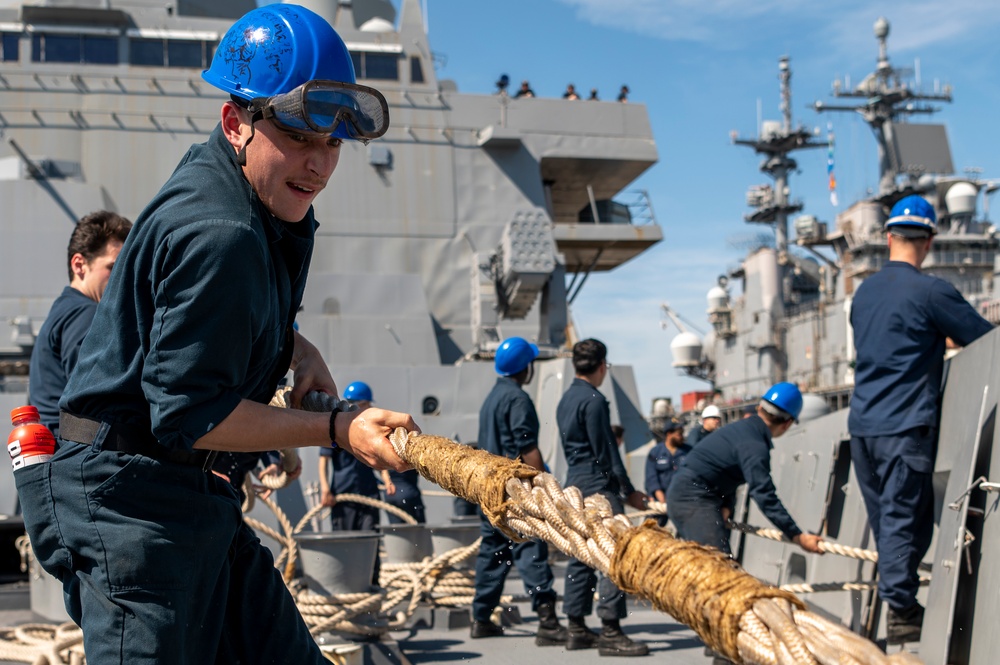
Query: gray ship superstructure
(477,216)
(789,321)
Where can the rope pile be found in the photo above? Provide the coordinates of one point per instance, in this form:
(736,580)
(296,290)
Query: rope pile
(733,613)
(403,586)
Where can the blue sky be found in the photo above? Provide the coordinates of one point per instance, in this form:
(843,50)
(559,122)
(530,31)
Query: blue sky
(701,67)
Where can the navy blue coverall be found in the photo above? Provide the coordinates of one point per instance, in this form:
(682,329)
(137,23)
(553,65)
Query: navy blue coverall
(708,478)
(407,496)
(696,435)
(901,319)
(595,467)
(661,464)
(508,426)
(156,563)
(56,352)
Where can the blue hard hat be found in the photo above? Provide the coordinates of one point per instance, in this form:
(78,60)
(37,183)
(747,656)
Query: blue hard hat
(514,355)
(274,49)
(913,211)
(786,396)
(359,391)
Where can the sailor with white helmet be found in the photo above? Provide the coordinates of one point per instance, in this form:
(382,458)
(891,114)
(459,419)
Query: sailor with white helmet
(902,319)
(701,494)
(187,347)
(711,420)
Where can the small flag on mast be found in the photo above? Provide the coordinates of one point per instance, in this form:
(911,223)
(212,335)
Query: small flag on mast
(829,165)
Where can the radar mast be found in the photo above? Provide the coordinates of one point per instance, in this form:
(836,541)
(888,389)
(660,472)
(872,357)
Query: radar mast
(888,101)
(777,140)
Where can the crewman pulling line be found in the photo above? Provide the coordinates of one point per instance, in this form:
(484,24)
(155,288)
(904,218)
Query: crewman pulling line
(734,613)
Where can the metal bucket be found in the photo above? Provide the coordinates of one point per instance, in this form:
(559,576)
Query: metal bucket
(340,562)
(46,593)
(451,536)
(406,543)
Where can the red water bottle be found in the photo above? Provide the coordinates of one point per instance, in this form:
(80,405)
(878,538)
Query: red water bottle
(31,442)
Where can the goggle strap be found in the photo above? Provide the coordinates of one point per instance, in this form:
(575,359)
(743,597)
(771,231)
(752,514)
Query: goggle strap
(241,156)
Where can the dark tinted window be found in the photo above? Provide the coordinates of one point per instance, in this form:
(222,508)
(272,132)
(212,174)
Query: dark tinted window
(358,64)
(74,48)
(146,52)
(100,50)
(382,66)
(55,48)
(8,47)
(209,53)
(184,53)
(416,70)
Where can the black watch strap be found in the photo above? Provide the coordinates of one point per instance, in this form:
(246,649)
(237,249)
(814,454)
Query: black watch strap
(339,406)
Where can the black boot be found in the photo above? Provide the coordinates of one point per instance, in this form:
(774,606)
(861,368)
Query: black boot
(904,625)
(579,636)
(613,642)
(550,633)
(484,629)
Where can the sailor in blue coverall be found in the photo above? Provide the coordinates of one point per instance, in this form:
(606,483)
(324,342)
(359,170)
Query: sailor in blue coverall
(93,249)
(584,419)
(901,319)
(701,494)
(663,460)
(508,426)
(186,350)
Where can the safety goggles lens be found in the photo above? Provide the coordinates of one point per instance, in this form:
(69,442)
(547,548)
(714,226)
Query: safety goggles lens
(324,106)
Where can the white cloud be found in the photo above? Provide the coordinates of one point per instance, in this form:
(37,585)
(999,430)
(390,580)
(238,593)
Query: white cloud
(726,23)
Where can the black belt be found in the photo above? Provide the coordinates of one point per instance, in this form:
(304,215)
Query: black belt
(130,439)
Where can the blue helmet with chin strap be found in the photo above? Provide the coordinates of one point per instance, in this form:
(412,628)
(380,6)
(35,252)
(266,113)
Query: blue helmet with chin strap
(514,355)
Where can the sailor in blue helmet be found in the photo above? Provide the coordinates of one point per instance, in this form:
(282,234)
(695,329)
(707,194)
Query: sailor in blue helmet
(701,494)
(595,467)
(508,426)
(350,476)
(186,349)
(902,319)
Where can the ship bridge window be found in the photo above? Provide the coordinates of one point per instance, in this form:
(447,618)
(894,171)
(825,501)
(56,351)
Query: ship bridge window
(83,49)
(377,66)
(190,53)
(185,54)
(416,70)
(146,52)
(8,46)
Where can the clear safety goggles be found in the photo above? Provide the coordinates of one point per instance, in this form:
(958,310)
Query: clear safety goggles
(330,108)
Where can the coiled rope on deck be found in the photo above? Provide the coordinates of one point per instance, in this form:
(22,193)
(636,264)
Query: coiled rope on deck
(733,613)
(434,581)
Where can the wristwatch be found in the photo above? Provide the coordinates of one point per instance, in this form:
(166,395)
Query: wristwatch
(338,406)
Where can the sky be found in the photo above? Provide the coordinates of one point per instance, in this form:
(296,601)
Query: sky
(704,68)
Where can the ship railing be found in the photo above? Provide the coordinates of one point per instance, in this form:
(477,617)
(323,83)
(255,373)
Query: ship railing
(962,258)
(640,207)
(991,311)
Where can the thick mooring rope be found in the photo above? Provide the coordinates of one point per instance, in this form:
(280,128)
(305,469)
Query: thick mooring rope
(734,614)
